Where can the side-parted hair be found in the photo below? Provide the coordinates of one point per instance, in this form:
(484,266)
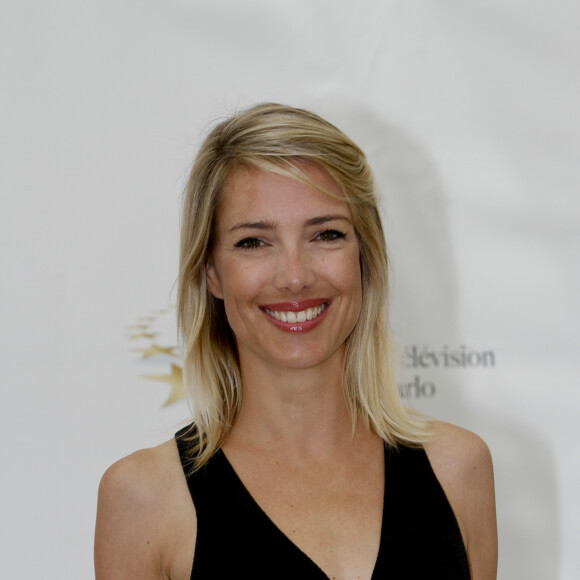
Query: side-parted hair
(279,139)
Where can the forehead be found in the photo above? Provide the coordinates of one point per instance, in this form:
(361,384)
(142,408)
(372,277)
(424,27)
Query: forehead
(259,194)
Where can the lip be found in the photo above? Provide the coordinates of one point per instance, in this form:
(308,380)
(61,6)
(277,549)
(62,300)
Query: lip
(297,306)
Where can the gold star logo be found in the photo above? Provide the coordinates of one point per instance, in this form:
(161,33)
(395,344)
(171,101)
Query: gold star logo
(155,350)
(143,319)
(146,328)
(175,380)
(141,327)
(149,335)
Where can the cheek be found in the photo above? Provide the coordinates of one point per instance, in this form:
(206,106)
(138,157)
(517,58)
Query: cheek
(347,272)
(241,282)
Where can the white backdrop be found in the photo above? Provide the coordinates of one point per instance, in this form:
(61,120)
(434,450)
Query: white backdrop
(468,112)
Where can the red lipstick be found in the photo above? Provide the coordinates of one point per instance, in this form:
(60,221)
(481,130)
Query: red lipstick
(296,306)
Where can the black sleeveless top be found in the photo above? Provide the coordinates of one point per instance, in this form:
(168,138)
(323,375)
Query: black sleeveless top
(420,537)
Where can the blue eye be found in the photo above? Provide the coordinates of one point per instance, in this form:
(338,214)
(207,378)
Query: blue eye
(330,235)
(249,244)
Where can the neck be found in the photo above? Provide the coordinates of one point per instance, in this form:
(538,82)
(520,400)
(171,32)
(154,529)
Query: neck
(298,410)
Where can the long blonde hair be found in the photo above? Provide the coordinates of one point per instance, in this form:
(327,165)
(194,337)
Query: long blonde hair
(275,138)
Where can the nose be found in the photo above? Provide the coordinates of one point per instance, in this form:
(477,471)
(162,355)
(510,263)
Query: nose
(294,271)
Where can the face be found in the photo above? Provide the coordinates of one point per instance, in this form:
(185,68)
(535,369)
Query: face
(286,264)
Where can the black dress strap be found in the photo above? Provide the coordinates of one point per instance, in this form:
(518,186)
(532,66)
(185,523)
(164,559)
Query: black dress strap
(235,537)
(420,537)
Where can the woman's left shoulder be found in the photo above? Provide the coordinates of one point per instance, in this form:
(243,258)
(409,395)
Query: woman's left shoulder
(457,452)
(462,463)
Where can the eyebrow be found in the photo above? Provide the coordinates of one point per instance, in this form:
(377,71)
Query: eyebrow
(269,225)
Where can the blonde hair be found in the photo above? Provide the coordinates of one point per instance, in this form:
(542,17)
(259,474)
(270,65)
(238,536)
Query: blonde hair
(277,138)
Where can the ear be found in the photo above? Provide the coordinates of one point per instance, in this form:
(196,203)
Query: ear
(212,280)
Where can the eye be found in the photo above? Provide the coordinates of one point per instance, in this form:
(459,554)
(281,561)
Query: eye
(249,244)
(330,235)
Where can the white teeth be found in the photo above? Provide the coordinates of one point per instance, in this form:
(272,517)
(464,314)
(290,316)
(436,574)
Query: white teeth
(293,317)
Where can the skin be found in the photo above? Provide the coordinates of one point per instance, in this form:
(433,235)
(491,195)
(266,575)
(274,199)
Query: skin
(279,242)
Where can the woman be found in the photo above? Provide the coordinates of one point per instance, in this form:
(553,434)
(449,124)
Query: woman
(301,461)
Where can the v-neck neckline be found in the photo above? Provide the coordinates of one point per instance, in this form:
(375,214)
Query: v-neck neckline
(250,498)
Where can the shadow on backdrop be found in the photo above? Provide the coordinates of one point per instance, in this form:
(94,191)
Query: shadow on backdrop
(425,316)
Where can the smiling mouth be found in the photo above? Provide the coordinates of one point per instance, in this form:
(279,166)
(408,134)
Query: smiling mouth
(300,316)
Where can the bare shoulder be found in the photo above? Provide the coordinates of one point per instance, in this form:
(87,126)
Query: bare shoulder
(139,480)
(457,451)
(462,463)
(144,513)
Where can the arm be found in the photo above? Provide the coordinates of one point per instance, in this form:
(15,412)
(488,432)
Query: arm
(462,463)
(127,542)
